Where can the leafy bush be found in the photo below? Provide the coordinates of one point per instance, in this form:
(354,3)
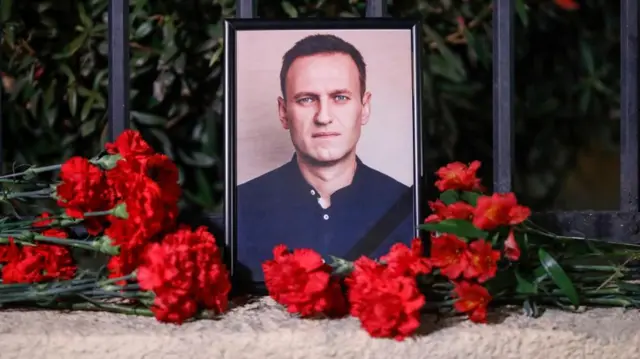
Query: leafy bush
(55,80)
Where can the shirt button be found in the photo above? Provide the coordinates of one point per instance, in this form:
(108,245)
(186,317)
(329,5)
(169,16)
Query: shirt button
(326,216)
(313,193)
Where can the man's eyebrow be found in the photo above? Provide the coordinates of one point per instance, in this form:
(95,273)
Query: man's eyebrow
(304,94)
(341,92)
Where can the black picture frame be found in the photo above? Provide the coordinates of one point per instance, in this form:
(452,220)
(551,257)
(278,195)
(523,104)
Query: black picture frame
(231,27)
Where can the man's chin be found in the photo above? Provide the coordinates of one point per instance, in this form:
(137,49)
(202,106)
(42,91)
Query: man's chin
(326,160)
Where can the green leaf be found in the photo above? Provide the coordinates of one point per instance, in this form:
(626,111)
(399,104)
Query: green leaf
(522,239)
(51,115)
(215,57)
(458,227)
(289,9)
(143,30)
(5,10)
(208,45)
(587,58)
(470,197)
(205,188)
(341,266)
(34,102)
(197,159)
(49,95)
(522,12)
(503,281)
(559,276)
(449,197)
(72,98)
(87,128)
(585,100)
(494,239)
(84,18)
(72,47)
(451,60)
(67,71)
(162,137)
(86,109)
(195,198)
(524,286)
(148,119)
(540,274)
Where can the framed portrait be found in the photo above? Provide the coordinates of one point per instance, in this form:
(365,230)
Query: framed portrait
(323,138)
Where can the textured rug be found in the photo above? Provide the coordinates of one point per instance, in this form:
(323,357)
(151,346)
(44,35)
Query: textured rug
(262,330)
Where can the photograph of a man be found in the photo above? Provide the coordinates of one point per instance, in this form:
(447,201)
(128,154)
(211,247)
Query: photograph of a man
(325,197)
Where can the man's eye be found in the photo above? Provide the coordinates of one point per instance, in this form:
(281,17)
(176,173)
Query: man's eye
(341,98)
(305,100)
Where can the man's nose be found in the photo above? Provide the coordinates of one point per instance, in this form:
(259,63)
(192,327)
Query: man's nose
(323,114)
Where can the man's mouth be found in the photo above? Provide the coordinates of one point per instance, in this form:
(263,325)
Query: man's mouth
(325,134)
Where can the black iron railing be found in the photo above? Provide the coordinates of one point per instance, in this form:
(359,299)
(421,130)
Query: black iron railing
(623,224)
(118,67)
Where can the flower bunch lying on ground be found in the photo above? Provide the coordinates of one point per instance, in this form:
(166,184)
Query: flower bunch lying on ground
(127,202)
(478,250)
(482,250)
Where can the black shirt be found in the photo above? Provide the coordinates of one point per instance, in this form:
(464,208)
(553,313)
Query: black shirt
(280,207)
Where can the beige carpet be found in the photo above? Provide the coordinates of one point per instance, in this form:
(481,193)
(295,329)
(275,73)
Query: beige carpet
(262,330)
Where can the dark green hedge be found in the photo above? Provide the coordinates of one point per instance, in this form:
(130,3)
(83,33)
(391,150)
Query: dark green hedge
(55,82)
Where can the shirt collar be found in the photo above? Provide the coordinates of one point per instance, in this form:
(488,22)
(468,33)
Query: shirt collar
(302,186)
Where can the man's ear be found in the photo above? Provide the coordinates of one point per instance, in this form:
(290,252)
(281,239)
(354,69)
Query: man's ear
(282,113)
(366,108)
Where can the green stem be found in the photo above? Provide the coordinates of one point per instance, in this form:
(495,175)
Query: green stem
(33,171)
(30,238)
(46,192)
(123,309)
(528,227)
(99,213)
(594,268)
(57,221)
(44,291)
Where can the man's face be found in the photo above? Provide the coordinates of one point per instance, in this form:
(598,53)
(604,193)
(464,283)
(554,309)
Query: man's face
(323,110)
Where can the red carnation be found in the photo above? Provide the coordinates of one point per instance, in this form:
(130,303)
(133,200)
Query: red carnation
(482,261)
(511,248)
(302,282)
(459,176)
(186,273)
(473,299)
(131,240)
(387,304)
(39,263)
(129,143)
(151,207)
(457,210)
(499,209)
(449,253)
(407,261)
(83,189)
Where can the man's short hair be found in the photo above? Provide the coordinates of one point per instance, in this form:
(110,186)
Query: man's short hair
(322,44)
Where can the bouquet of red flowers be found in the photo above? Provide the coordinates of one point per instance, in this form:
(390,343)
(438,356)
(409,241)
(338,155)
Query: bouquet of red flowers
(480,250)
(127,201)
(483,250)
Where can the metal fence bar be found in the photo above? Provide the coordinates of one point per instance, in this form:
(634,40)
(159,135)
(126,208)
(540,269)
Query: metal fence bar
(629,105)
(376,8)
(246,9)
(1,102)
(118,111)
(503,75)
